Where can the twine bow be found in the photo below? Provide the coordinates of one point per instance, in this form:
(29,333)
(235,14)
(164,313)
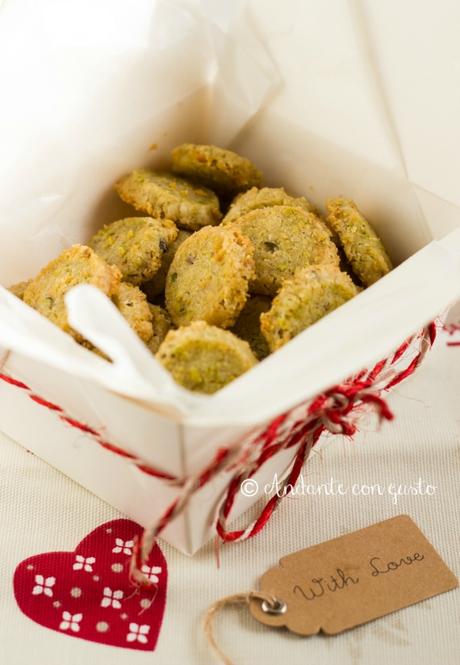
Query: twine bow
(334,411)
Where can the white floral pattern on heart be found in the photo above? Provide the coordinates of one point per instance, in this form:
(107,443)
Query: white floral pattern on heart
(125,546)
(152,572)
(112,598)
(43,585)
(138,633)
(71,621)
(84,563)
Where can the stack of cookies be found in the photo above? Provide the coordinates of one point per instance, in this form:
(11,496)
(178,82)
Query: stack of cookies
(219,272)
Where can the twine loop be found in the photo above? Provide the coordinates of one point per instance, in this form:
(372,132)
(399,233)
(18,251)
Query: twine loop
(235,599)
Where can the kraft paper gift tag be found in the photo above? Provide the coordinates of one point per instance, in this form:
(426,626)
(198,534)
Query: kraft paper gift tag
(353,579)
(344,582)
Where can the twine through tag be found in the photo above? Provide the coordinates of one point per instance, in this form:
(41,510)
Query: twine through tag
(268,604)
(344,582)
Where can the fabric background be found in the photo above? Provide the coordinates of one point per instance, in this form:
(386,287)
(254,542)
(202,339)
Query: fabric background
(41,510)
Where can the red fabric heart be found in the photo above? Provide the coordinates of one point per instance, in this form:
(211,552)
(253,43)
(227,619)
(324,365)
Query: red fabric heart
(87,593)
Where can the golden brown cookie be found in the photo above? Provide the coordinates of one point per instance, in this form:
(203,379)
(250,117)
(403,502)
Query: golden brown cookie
(204,358)
(208,277)
(77,265)
(284,239)
(166,196)
(255,198)
(312,293)
(217,168)
(136,245)
(134,307)
(362,246)
(19,289)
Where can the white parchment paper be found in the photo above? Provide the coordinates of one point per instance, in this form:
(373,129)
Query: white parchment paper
(92,90)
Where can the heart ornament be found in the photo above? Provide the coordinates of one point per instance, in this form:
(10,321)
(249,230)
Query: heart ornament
(87,593)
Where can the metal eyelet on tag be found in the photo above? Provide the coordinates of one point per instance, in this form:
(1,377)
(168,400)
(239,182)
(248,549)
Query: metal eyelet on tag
(276,608)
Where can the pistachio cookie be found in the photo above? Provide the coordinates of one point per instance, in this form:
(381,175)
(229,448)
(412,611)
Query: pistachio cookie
(284,239)
(133,305)
(362,246)
(136,245)
(209,276)
(312,293)
(19,289)
(247,325)
(205,358)
(161,324)
(266,197)
(76,265)
(156,286)
(217,168)
(164,195)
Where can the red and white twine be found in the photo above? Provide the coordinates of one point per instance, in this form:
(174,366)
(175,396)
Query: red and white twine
(453,329)
(298,430)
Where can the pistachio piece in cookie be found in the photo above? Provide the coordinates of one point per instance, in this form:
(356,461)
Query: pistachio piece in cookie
(361,245)
(204,358)
(311,294)
(209,276)
(77,265)
(217,168)
(164,195)
(136,245)
(284,239)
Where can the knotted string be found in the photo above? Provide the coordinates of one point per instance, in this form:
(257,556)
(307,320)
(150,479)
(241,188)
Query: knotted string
(215,608)
(298,430)
(330,411)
